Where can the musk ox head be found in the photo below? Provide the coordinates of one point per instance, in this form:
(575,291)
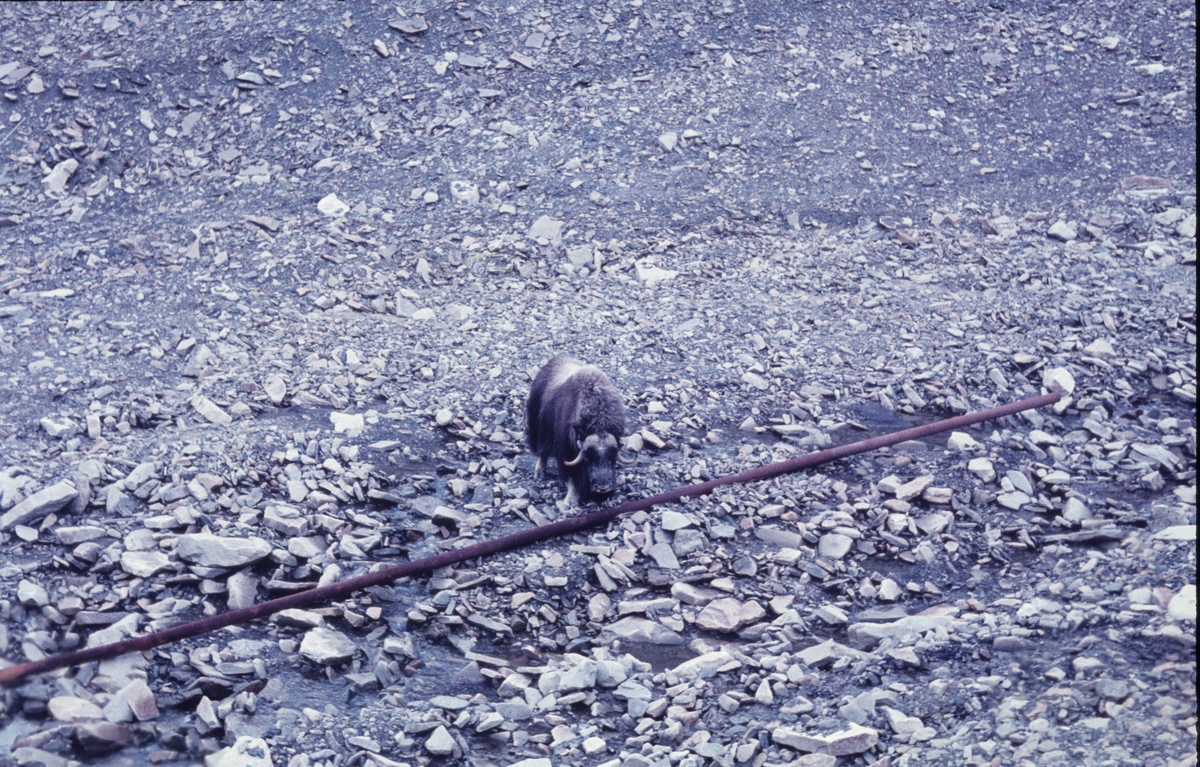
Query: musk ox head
(597,460)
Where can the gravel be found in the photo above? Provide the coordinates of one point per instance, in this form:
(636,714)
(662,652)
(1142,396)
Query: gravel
(274,284)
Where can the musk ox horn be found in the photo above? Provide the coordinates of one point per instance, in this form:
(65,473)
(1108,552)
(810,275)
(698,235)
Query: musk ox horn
(575,461)
(626,461)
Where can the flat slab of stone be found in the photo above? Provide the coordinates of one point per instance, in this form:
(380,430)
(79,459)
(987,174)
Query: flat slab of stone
(144,564)
(68,708)
(834,545)
(643,630)
(325,646)
(216,551)
(691,669)
(37,506)
(855,739)
(729,614)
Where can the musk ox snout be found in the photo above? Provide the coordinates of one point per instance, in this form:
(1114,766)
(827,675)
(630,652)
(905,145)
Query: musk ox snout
(575,418)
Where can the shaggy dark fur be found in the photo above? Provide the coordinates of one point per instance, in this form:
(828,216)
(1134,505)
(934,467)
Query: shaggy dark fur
(574,409)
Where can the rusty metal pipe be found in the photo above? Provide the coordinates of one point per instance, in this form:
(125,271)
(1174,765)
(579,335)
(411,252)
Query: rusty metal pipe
(15,673)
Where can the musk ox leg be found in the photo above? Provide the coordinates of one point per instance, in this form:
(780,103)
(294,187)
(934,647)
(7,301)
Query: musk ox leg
(539,468)
(572,499)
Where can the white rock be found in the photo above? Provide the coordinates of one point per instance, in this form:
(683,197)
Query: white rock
(331,206)
(441,743)
(580,256)
(668,140)
(831,614)
(67,708)
(1187,227)
(246,751)
(729,614)
(673,520)
(593,745)
(1101,347)
(1058,378)
(56,180)
(1062,231)
(960,440)
(276,388)
(635,629)
(834,545)
(581,676)
(32,594)
(59,428)
(1182,606)
(764,696)
(423,314)
(209,409)
(889,590)
(692,669)
(755,380)
(650,274)
(346,422)
(1075,510)
(545,228)
(901,723)
(1177,533)
(914,487)
(853,740)
(982,468)
(1013,500)
(38,505)
(144,564)
(889,484)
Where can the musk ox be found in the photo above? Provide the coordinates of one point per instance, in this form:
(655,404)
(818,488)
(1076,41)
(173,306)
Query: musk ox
(575,416)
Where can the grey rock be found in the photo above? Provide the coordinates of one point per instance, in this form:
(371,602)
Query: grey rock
(695,667)
(326,646)
(1061,231)
(37,506)
(144,564)
(99,737)
(514,710)
(729,614)
(216,551)
(441,743)
(243,588)
(60,428)
(853,740)
(913,488)
(673,520)
(834,545)
(581,676)
(32,594)
(1112,689)
(642,630)
(782,538)
(691,594)
(664,556)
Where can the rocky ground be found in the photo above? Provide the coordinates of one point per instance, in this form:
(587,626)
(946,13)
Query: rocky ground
(276,278)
